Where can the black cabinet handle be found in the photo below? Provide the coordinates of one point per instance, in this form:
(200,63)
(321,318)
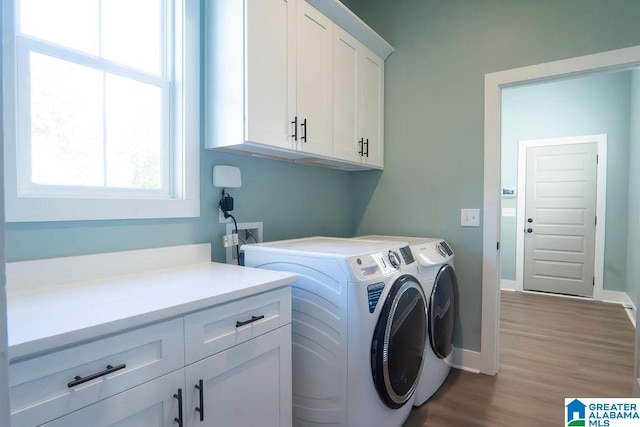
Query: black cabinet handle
(200,386)
(361,147)
(80,380)
(367,144)
(246,322)
(303,126)
(180,418)
(295,128)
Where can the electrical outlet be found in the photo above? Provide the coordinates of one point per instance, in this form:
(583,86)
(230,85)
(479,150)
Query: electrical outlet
(248,232)
(470,217)
(221,217)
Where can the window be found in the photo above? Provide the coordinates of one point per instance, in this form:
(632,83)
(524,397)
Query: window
(106,96)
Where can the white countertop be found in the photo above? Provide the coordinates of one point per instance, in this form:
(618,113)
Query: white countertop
(65,314)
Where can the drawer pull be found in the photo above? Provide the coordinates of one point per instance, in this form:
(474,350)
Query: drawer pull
(246,322)
(81,380)
(179,419)
(303,125)
(200,386)
(295,128)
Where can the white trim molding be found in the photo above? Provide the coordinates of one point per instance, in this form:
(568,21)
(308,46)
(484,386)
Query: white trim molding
(509,285)
(619,297)
(466,360)
(616,60)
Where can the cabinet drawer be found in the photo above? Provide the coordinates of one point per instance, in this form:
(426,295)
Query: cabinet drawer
(150,405)
(42,388)
(210,331)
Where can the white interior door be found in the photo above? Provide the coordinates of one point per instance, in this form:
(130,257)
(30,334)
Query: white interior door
(560,219)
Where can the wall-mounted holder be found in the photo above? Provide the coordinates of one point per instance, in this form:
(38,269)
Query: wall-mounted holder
(226,177)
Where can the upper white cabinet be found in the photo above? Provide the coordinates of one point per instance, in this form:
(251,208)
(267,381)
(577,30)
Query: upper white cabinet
(314,80)
(269,77)
(270,87)
(269,92)
(358,101)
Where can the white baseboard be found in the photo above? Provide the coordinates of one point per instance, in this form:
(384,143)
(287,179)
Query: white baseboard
(467,360)
(508,285)
(618,297)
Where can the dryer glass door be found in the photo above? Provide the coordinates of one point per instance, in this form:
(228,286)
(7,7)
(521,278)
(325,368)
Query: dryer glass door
(442,311)
(398,342)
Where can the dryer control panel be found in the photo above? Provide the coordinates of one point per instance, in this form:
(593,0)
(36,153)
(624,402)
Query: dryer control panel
(433,253)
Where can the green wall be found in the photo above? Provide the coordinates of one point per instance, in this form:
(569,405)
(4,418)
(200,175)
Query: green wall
(591,105)
(291,200)
(434,108)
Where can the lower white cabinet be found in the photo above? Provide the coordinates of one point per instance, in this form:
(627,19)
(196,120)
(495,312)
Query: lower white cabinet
(246,385)
(49,386)
(150,405)
(239,357)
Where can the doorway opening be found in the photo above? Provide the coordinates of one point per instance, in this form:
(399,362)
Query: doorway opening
(619,60)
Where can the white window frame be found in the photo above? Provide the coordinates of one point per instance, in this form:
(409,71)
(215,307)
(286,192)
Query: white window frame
(182,195)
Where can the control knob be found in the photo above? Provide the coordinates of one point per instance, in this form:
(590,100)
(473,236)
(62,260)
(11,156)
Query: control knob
(394,259)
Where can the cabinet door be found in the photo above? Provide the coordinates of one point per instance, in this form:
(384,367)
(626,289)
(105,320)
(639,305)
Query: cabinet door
(246,385)
(371,106)
(270,71)
(314,74)
(151,405)
(346,53)
(43,388)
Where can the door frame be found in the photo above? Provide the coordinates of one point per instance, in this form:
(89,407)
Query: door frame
(615,60)
(601,203)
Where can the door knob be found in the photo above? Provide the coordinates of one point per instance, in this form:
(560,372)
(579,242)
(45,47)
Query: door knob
(529,230)
(529,219)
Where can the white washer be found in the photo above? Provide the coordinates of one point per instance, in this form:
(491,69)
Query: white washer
(439,282)
(358,329)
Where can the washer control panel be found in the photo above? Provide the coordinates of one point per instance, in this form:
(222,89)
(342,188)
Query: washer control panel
(379,264)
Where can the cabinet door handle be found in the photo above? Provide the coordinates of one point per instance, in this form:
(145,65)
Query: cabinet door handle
(246,322)
(295,128)
(303,126)
(81,380)
(200,409)
(361,147)
(367,144)
(179,419)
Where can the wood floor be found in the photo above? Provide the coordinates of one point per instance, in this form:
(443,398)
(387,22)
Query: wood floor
(550,348)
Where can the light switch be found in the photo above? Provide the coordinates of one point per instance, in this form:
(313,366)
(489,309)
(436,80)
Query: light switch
(470,217)
(508,211)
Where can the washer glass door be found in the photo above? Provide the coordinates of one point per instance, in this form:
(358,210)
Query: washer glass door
(442,312)
(398,342)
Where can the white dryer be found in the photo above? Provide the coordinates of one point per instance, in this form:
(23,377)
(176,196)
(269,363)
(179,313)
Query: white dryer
(358,329)
(438,278)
